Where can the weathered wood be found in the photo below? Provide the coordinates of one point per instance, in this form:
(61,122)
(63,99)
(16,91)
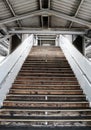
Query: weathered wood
(45,93)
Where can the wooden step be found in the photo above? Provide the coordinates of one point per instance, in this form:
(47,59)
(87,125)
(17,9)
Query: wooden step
(45,118)
(46,74)
(45,71)
(46,78)
(45,108)
(21,111)
(46,62)
(48,91)
(46,83)
(34,59)
(45,112)
(47,103)
(44,87)
(41,97)
(46,66)
(48,69)
(46,97)
(49,113)
(26,85)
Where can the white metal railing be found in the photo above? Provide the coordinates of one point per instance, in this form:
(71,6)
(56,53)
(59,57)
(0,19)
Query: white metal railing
(10,67)
(80,65)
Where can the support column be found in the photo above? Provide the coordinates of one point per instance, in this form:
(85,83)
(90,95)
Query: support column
(56,41)
(36,41)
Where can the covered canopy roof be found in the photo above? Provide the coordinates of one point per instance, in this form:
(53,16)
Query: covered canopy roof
(63,14)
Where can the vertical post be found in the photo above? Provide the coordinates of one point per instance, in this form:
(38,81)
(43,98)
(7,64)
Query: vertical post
(36,40)
(10,40)
(56,41)
(84,46)
(40,42)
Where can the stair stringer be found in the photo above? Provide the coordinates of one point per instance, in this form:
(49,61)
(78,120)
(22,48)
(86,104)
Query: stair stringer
(12,70)
(82,78)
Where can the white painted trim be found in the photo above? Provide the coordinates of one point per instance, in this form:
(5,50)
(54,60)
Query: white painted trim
(79,64)
(11,66)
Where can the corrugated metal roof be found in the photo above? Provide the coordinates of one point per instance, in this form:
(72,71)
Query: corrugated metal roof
(34,22)
(24,6)
(4,12)
(65,6)
(56,22)
(76,25)
(12,24)
(68,7)
(85,11)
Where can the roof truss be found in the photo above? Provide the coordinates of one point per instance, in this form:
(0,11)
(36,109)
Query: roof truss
(46,12)
(47,32)
(76,13)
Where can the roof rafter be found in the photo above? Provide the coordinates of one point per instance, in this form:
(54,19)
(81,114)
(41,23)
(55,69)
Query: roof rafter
(12,10)
(69,18)
(23,16)
(46,12)
(76,13)
(47,32)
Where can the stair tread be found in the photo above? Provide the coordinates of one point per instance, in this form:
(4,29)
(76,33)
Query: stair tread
(79,90)
(45,108)
(24,94)
(50,77)
(37,77)
(51,109)
(22,84)
(48,81)
(45,101)
(41,95)
(46,117)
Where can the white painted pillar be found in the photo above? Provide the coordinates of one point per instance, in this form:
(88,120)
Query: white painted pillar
(56,41)
(36,41)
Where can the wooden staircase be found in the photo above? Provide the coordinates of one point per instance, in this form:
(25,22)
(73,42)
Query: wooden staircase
(45,93)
